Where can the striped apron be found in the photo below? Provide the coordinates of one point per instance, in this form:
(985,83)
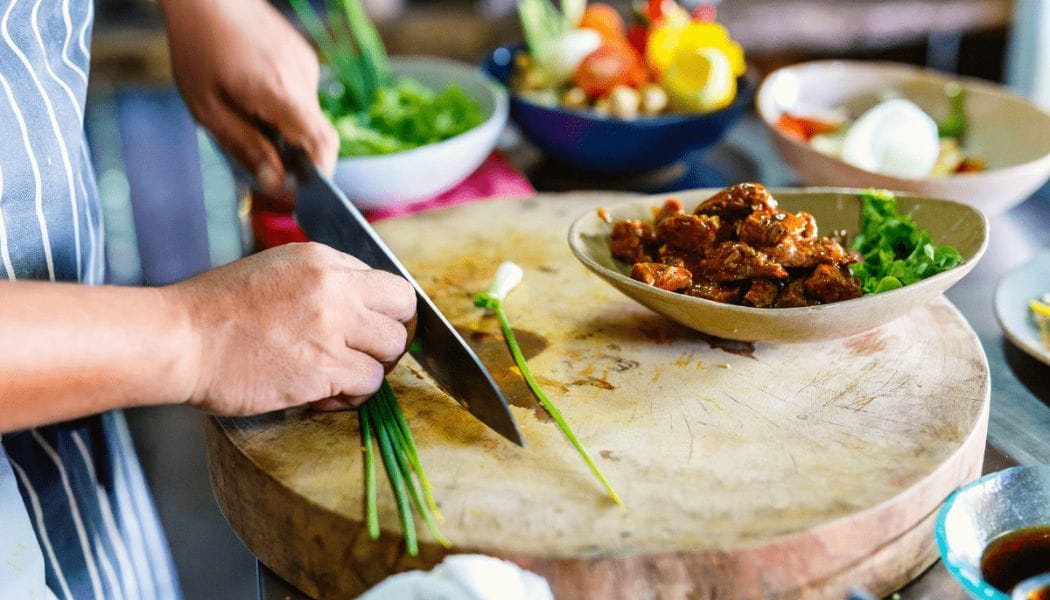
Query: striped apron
(76,518)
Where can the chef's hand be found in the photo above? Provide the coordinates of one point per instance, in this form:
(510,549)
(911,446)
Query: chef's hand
(296,324)
(237,62)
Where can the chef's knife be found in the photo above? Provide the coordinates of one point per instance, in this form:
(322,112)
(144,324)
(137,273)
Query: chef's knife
(328,217)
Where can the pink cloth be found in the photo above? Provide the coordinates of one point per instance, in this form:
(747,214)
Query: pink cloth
(495,178)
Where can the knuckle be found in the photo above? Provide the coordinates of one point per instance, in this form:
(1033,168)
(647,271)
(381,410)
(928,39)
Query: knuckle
(396,342)
(316,255)
(370,376)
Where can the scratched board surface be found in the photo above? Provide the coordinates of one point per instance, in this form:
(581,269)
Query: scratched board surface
(747,470)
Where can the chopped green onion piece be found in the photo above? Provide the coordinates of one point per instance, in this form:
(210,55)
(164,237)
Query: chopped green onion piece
(507,276)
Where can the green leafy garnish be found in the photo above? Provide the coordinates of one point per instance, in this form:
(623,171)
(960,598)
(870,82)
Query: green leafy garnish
(955,124)
(372,113)
(896,252)
(382,416)
(405,116)
(507,276)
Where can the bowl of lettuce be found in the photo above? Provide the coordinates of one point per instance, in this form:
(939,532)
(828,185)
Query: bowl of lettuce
(425,133)
(409,127)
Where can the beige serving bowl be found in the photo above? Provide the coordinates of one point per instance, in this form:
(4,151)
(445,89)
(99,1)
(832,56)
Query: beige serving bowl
(1010,133)
(949,222)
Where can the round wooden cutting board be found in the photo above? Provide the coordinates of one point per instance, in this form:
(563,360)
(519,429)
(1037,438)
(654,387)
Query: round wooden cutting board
(748,471)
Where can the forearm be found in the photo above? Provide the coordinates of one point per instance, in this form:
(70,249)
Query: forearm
(68,351)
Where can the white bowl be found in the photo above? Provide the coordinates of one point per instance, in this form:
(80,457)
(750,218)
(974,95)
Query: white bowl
(1010,133)
(374,182)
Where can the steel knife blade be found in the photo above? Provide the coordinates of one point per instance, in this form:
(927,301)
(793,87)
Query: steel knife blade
(327,216)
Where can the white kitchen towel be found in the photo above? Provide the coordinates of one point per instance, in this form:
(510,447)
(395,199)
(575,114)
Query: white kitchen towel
(464,577)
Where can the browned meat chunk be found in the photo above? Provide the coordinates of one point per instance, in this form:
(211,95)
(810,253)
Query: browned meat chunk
(766,228)
(712,290)
(665,277)
(809,230)
(829,283)
(763,293)
(670,208)
(734,261)
(691,233)
(679,258)
(809,253)
(793,295)
(631,240)
(738,201)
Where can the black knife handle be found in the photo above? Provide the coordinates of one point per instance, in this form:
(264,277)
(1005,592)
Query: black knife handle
(295,160)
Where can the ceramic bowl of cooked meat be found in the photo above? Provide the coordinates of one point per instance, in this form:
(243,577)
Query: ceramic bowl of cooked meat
(1008,135)
(777,266)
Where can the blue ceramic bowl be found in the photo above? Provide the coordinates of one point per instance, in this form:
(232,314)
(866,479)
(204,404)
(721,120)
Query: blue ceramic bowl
(979,512)
(598,144)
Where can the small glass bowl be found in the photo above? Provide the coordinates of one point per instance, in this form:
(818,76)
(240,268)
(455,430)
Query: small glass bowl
(980,511)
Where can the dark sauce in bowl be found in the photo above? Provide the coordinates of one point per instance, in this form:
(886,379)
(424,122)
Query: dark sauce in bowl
(1016,556)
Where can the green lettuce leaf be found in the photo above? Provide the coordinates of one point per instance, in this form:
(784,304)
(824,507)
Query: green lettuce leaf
(405,116)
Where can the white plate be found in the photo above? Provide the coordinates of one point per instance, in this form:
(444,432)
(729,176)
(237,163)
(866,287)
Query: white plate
(1015,289)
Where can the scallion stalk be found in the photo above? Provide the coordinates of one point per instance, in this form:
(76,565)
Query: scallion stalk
(405,470)
(397,484)
(381,419)
(507,277)
(371,513)
(409,445)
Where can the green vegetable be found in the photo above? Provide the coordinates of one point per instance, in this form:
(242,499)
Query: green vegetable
(371,512)
(352,49)
(372,114)
(507,276)
(405,116)
(896,252)
(542,23)
(955,124)
(382,416)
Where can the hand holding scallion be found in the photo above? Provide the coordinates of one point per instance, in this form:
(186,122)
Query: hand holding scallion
(508,276)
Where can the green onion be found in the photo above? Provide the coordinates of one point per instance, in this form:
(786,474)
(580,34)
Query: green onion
(507,277)
(397,484)
(409,444)
(371,513)
(406,471)
(382,416)
(352,48)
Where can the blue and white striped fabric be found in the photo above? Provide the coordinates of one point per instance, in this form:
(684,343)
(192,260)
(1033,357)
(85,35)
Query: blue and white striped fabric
(76,517)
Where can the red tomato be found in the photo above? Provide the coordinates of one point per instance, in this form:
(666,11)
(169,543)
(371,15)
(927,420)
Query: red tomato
(794,128)
(804,128)
(604,19)
(638,76)
(655,9)
(612,64)
(638,36)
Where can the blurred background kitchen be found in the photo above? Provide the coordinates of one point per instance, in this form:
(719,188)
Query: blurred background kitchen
(171,202)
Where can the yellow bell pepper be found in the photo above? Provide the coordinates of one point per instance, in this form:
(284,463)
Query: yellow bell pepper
(670,38)
(699,80)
